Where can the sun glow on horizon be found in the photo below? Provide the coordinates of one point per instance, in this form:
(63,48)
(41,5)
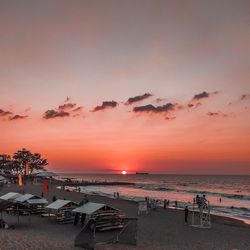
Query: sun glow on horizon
(124,172)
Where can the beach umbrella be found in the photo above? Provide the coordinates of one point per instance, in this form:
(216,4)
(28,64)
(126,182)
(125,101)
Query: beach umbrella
(46,174)
(20,180)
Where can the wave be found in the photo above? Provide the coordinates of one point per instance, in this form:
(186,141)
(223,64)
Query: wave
(194,192)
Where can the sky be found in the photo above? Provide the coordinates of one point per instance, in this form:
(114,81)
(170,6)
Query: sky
(135,85)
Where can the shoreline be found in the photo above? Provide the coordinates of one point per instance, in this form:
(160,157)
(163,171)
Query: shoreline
(212,212)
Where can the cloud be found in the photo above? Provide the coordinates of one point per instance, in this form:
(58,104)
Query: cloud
(18,117)
(49,114)
(10,116)
(191,105)
(138,98)
(245,97)
(66,106)
(202,95)
(105,105)
(217,114)
(77,111)
(155,109)
(64,110)
(4,113)
(80,108)
(170,118)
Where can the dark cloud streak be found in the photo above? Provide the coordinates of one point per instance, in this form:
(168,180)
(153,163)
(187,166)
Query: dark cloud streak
(105,105)
(66,106)
(18,117)
(245,97)
(138,98)
(154,109)
(217,114)
(4,113)
(202,95)
(49,114)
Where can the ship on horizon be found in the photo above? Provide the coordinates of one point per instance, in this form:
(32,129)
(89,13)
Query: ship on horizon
(141,173)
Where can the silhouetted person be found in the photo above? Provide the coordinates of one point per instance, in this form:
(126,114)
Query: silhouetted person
(186,214)
(42,194)
(83,219)
(204,201)
(198,200)
(76,219)
(54,198)
(220,199)
(176,204)
(165,204)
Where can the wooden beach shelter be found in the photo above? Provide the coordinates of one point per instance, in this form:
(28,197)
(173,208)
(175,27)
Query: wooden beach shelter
(10,196)
(91,208)
(62,210)
(24,197)
(16,206)
(35,203)
(104,217)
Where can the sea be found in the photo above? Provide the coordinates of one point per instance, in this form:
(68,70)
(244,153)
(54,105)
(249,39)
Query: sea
(228,195)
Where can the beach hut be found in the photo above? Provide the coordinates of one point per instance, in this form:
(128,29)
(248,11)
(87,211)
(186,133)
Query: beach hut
(15,207)
(35,203)
(24,197)
(103,216)
(62,210)
(91,208)
(10,196)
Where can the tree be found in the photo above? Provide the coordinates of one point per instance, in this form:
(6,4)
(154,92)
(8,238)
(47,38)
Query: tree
(37,163)
(5,163)
(23,157)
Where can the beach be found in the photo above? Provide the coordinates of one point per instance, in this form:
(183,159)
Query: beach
(160,229)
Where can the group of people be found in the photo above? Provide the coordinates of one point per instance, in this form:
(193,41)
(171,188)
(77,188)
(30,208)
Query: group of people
(165,203)
(151,203)
(201,201)
(116,195)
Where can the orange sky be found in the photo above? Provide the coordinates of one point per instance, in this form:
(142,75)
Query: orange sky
(192,58)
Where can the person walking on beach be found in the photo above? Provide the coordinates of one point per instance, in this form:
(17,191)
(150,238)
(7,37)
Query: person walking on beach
(165,204)
(186,214)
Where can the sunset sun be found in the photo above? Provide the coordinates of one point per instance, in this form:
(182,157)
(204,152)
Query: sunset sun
(124,172)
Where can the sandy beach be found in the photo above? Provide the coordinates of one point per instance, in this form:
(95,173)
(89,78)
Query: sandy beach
(160,229)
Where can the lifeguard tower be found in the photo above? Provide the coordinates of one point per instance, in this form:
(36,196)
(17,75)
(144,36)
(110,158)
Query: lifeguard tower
(201,215)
